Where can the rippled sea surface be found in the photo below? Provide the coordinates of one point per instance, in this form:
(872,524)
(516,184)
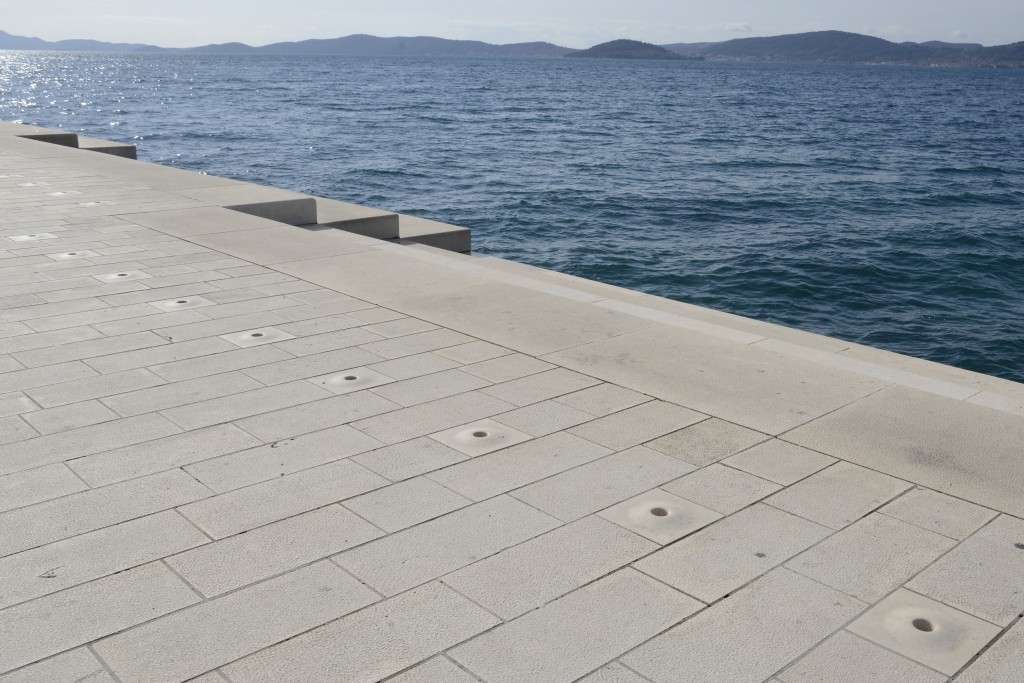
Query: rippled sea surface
(882,205)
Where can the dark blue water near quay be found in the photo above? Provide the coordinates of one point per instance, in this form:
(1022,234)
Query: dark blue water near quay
(883,205)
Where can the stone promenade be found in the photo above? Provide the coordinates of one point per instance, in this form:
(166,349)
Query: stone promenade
(258,444)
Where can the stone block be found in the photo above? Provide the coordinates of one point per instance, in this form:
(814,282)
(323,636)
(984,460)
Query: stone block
(872,557)
(434,234)
(414,556)
(360,220)
(230,563)
(59,622)
(246,508)
(406,504)
(381,640)
(264,463)
(534,573)
(780,461)
(592,626)
(600,483)
(716,561)
(660,516)
(489,475)
(938,512)
(208,635)
(749,636)
(924,630)
(603,399)
(721,488)
(73,561)
(846,658)
(839,495)
(409,459)
(79,513)
(982,575)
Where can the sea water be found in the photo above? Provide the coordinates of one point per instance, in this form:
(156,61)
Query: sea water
(882,205)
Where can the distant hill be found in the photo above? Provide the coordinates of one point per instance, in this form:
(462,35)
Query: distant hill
(628,49)
(355,45)
(834,47)
(9,42)
(840,47)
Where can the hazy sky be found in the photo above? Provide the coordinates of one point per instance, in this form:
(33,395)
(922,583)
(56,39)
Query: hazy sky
(573,23)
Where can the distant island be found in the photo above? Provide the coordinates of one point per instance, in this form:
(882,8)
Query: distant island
(819,47)
(840,47)
(629,49)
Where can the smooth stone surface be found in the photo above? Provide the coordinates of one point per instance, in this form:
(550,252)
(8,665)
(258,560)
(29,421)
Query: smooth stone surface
(262,335)
(925,630)
(951,446)
(984,575)
(525,320)
(480,437)
(846,658)
(780,461)
(1004,661)
(871,558)
(716,561)
(838,495)
(594,624)
(282,244)
(938,512)
(758,389)
(748,637)
(660,516)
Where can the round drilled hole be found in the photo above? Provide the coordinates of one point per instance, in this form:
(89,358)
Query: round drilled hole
(122,274)
(1019,546)
(349,378)
(73,253)
(480,434)
(33,235)
(659,512)
(181,301)
(923,625)
(760,555)
(256,334)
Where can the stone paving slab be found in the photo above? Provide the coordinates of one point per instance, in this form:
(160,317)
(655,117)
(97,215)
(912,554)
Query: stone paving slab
(661,492)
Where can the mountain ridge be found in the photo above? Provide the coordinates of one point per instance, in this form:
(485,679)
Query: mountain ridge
(842,47)
(833,47)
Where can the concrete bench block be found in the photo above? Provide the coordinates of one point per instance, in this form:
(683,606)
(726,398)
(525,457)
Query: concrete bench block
(434,233)
(360,220)
(266,202)
(117,149)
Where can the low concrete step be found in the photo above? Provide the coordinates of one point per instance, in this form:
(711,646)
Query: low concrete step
(434,233)
(118,149)
(51,135)
(282,206)
(361,220)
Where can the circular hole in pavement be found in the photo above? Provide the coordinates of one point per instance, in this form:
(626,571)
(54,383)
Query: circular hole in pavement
(760,555)
(33,235)
(659,512)
(1019,546)
(73,253)
(256,334)
(122,274)
(480,435)
(923,625)
(181,301)
(349,378)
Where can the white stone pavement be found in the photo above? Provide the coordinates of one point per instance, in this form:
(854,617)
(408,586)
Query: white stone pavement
(233,449)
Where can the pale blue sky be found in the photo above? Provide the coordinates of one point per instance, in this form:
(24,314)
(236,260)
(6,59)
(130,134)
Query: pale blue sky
(574,23)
